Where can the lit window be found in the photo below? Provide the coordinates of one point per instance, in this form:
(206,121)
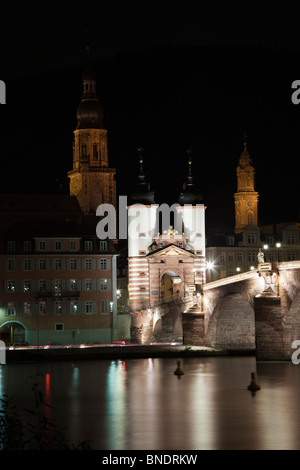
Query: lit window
(27,285)
(11,286)
(26,308)
(103,284)
(11,310)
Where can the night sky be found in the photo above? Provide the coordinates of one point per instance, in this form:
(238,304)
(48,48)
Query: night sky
(169,79)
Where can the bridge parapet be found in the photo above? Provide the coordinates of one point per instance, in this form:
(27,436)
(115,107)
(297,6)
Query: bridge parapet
(230,280)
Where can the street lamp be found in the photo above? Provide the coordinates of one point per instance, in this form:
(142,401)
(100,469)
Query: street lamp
(278,245)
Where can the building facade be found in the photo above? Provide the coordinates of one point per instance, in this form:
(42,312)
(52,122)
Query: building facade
(58,280)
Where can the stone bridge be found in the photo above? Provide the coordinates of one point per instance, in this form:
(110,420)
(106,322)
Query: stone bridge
(257,310)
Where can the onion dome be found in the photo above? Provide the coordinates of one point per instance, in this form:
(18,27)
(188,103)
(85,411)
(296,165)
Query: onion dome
(90,110)
(142,193)
(190,195)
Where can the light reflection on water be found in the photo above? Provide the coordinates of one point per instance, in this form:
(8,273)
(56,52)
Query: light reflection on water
(140,403)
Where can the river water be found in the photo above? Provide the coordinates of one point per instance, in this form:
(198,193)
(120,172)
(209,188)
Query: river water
(139,404)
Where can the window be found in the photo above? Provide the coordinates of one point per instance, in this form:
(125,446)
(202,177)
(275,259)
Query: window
(42,308)
(73,245)
(251,239)
(103,264)
(142,252)
(26,308)
(88,284)
(73,306)
(271,256)
(88,264)
(230,240)
(240,256)
(161,244)
(291,239)
(42,264)
(88,306)
(58,307)
(95,152)
(27,285)
(73,285)
(57,286)
(27,264)
(27,246)
(88,245)
(42,246)
(291,256)
(11,309)
(73,264)
(103,245)
(104,306)
(222,257)
(42,285)
(11,286)
(104,284)
(11,245)
(269,240)
(231,257)
(57,246)
(57,265)
(180,244)
(251,257)
(10,265)
(59,326)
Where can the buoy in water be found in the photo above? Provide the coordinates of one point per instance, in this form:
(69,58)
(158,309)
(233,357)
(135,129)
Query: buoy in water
(253,385)
(178,371)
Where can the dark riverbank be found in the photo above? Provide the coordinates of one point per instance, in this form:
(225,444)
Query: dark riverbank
(118,352)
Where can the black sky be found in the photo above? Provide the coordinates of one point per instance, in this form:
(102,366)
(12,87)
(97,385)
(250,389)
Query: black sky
(169,79)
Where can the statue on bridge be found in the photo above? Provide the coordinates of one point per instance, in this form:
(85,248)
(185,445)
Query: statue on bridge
(260,256)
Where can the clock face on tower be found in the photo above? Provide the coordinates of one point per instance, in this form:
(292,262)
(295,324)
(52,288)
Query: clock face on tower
(249,203)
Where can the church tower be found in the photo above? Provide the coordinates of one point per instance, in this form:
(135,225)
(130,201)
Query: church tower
(91,179)
(246,198)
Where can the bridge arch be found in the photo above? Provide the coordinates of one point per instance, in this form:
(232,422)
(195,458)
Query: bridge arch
(232,323)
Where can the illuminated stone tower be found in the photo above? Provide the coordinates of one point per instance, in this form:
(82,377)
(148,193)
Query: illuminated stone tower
(246,198)
(91,180)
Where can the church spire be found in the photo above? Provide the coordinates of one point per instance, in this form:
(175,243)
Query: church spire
(142,193)
(189,195)
(246,198)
